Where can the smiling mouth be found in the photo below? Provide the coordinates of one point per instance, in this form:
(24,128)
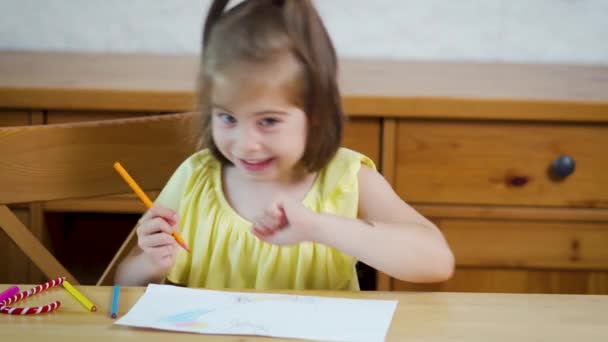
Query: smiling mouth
(256,165)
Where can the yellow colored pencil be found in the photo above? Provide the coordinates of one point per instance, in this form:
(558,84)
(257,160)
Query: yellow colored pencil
(144,198)
(79,296)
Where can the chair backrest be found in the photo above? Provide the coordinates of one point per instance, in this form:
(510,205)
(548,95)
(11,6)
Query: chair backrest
(62,161)
(52,162)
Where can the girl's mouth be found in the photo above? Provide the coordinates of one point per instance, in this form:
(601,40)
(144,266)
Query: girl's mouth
(256,165)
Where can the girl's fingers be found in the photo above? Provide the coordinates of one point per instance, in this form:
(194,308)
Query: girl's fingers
(261,228)
(166,213)
(272,220)
(261,232)
(163,256)
(269,222)
(275,212)
(267,228)
(278,213)
(260,235)
(154,235)
(159,211)
(275,216)
(157,240)
(282,218)
(166,251)
(257,234)
(155,225)
(260,223)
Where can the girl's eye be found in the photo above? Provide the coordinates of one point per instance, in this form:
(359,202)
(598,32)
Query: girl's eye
(227,118)
(268,122)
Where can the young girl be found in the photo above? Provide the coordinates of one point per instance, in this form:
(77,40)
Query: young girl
(273,202)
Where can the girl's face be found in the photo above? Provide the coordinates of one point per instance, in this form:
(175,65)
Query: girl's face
(256,127)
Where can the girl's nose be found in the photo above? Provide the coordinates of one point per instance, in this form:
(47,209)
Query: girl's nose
(248,140)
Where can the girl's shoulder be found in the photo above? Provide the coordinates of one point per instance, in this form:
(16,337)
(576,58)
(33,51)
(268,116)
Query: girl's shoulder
(200,162)
(198,167)
(346,164)
(346,158)
(340,175)
(201,159)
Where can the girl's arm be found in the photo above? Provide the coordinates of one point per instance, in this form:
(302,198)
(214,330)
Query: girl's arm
(137,270)
(390,235)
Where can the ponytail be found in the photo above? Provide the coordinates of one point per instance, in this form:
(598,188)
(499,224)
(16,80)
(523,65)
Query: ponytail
(215,12)
(307,31)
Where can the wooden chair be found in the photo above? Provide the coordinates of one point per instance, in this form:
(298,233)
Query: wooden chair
(62,161)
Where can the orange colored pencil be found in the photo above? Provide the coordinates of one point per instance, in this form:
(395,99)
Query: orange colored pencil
(144,198)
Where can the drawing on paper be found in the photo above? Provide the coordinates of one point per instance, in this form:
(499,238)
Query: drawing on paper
(195,319)
(188,319)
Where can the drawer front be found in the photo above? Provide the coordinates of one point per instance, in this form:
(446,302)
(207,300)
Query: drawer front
(522,256)
(501,163)
(527,244)
(363,135)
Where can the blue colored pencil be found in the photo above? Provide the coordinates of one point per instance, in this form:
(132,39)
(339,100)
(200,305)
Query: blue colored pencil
(115,295)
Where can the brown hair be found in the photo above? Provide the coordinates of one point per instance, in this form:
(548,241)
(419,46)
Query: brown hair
(259,31)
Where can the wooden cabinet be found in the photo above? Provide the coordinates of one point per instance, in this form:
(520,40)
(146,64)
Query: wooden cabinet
(514,224)
(469,145)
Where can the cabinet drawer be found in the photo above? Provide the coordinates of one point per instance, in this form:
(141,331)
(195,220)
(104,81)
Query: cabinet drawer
(501,163)
(527,244)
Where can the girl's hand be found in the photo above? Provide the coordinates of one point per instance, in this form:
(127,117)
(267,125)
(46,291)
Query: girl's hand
(154,237)
(285,222)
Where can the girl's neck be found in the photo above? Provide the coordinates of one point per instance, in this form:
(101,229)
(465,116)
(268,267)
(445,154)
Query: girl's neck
(295,179)
(295,186)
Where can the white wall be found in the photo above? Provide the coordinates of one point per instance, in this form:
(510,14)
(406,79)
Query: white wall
(567,31)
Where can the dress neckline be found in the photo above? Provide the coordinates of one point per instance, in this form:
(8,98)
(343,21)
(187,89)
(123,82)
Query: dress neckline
(228,208)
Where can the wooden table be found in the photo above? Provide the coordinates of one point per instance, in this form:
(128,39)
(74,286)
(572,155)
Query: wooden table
(419,316)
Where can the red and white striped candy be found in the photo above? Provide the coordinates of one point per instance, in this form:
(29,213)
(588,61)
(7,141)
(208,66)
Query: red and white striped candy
(5,308)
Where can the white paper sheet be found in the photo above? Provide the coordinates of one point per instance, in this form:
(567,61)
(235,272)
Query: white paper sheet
(280,315)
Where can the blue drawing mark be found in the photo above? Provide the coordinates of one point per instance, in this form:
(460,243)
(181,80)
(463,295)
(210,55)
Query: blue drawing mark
(188,316)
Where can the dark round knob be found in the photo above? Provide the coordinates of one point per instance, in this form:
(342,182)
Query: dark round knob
(563,166)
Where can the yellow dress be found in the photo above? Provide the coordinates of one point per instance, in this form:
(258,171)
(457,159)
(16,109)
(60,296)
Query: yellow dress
(225,254)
